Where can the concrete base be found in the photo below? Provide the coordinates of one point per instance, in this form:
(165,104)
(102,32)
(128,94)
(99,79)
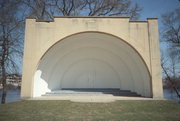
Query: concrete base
(114,92)
(90,98)
(92,95)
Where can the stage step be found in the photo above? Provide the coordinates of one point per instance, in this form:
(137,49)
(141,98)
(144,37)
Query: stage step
(115,92)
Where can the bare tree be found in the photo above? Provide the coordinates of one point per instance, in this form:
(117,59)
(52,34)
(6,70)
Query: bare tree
(169,68)
(46,9)
(10,40)
(39,9)
(171,35)
(171,31)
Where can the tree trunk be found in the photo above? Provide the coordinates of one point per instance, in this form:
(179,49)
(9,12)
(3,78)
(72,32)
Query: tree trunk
(171,81)
(4,91)
(3,82)
(4,51)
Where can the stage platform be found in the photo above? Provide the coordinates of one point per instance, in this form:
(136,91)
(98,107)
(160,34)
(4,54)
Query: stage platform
(115,92)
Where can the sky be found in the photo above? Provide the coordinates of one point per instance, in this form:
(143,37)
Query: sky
(155,8)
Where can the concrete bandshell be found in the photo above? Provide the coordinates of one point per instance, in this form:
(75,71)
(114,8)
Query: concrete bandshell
(136,40)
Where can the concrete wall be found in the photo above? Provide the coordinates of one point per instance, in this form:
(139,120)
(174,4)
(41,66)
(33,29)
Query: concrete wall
(106,41)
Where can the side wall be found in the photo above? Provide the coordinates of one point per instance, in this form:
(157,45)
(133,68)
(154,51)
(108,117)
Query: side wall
(156,73)
(40,36)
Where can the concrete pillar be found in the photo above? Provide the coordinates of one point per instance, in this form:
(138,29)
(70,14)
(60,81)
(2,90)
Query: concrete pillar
(156,74)
(28,59)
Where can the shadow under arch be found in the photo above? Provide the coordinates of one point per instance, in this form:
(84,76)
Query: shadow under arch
(109,34)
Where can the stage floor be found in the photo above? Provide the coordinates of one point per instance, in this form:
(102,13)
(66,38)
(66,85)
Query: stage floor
(115,92)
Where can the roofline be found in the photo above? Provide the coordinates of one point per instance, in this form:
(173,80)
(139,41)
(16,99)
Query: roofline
(138,21)
(123,17)
(91,17)
(151,18)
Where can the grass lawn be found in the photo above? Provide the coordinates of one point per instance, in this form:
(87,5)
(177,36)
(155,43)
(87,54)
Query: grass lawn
(66,110)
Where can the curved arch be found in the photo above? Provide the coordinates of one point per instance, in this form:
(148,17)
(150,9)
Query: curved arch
(101,60)
(95,32)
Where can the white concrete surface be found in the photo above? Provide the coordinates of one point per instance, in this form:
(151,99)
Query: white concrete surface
(92,60)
